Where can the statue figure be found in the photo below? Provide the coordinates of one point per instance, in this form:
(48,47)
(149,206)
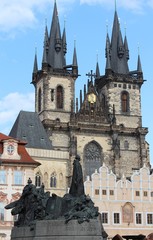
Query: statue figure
(30,206)
(77,186)
(36,204)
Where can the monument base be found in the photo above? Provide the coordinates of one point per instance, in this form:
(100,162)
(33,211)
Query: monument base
(58,230)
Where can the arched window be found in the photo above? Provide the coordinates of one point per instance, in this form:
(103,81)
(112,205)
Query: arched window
(39,100)
(53,181)
(92,158)
(38,180)
(59,97)
(46,179)
(1,211)
(125,102)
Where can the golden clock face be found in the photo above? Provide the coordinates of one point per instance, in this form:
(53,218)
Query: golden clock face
(92,98)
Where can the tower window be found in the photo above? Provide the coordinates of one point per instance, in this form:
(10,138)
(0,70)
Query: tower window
(125,102)
(38,180)
(53,180)
(39,100)
(59,97)
(52,95)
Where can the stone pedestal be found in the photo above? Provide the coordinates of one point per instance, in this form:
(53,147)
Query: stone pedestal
(58,230)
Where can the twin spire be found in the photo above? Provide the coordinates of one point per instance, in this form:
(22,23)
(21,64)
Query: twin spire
(117,51)
(55,48)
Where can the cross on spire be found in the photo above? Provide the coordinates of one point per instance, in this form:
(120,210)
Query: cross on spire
(91,75)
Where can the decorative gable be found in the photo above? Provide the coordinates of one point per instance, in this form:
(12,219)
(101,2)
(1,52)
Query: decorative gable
(10,149)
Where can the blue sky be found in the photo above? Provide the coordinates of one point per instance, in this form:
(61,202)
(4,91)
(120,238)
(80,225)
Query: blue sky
(22,24)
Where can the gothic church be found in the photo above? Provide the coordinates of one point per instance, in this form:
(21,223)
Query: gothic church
(103,126)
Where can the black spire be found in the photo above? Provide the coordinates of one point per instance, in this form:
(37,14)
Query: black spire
(45,52)
(108,53)
(56,52)
(118,52)
(139,67)
(75,62)
(35,66)
(97,70)
(126,48)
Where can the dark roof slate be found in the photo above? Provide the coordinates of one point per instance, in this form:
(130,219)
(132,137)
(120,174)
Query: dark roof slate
(29,128)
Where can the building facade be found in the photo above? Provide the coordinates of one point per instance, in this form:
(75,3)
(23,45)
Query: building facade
(103,126)
(126,205)
(15,169)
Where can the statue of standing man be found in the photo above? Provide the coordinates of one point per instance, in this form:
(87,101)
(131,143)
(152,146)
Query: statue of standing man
(77,186)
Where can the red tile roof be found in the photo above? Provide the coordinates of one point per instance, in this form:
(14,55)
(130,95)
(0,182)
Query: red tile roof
(25,157)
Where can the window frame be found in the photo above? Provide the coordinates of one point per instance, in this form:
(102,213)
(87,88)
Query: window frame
(141,214)
(107,213)
(4,176)
(114,218)
(149,213)
(18,179)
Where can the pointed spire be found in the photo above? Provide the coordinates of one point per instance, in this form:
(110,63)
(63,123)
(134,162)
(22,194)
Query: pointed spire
(45,51)
(126,48)
(58,41)
(97,70)
(75,63)
(84,90)
(139,67)
(107,53)
(56,58)
(117,49)
(120,45)
(35,66)
(64,41)
(107,48)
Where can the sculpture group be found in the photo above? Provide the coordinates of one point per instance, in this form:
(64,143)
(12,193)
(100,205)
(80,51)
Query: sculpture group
(36,204)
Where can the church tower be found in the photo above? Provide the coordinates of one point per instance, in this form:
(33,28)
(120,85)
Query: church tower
(103,126)
(55,84)
(121,89)
(108,124)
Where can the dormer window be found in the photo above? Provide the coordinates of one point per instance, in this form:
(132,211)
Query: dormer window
(10,149)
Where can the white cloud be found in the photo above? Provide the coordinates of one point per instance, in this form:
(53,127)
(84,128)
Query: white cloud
(11,105)
(21,14)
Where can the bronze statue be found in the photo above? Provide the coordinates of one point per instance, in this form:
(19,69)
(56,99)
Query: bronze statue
(77,186)
(36,204)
